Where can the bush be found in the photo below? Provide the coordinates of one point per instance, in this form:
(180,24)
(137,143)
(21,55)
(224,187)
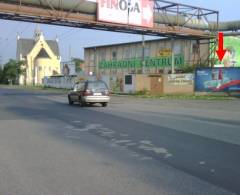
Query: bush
(187,69)
(142,92)
(11,72)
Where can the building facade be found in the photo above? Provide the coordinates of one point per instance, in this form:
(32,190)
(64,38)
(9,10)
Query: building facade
(150,57)
(41,58)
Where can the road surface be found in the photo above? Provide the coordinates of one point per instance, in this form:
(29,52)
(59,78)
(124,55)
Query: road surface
(134,147)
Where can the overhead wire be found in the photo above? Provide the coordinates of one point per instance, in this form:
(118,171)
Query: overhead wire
(18,33)
(10,41)
(68,33)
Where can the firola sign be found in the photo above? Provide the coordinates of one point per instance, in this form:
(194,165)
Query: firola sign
(157,62)
(132,12)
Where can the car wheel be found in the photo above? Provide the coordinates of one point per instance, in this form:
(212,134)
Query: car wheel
(81,102)
(104,104)
(70,102)
(90,104)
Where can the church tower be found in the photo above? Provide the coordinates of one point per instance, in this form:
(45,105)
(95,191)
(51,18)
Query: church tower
(38,35)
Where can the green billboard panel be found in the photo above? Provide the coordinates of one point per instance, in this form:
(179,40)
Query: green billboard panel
(232,58)
(155,62)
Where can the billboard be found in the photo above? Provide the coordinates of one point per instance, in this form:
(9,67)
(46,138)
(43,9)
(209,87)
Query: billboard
(217,79)
(155,62)
(180,79)
(232,56)
(132,12)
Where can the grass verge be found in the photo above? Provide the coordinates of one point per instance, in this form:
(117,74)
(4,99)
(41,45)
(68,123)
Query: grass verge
(36,88)
(207,96)
(187,97)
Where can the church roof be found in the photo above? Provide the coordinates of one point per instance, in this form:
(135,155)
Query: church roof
(24,46)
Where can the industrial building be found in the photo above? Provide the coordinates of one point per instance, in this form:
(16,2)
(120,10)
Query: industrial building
(145,65)
(149,57)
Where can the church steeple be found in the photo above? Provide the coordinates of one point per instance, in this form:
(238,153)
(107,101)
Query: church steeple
(38,33)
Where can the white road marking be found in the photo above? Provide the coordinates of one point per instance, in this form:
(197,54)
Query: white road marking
(147,142)
(202,162)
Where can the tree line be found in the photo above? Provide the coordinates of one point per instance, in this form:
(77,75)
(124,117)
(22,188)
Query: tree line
(11,71)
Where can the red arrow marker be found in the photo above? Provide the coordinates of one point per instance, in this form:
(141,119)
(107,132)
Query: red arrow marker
(220,52)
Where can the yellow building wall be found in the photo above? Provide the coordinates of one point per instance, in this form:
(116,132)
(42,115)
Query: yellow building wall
(38,68)
(45,67)
(142,82)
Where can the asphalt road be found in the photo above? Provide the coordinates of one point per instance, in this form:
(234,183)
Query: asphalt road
(134,146)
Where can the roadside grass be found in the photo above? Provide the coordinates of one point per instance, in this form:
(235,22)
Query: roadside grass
(196,96)
(187,96)
(36,88)
(140,94)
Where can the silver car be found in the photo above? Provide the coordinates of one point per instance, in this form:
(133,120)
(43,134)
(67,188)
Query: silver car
(89,92)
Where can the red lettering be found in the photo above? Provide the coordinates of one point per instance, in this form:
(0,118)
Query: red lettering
(114,4)
(103,3)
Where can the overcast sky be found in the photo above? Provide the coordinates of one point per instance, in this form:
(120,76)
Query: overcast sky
(72,41)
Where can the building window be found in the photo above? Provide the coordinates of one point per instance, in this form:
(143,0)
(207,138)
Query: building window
(114,55)
(128,80)
(194,47)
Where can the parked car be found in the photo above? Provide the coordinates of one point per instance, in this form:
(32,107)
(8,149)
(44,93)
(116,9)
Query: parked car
(89,92)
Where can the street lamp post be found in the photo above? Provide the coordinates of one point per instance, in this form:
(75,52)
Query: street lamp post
(143,54)
(173,57)
(95,62)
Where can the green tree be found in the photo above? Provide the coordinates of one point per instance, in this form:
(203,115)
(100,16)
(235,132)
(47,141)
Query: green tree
(11,72)
(78,63)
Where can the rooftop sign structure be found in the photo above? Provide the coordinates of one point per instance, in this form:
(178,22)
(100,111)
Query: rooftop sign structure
(149,17)
(130,12)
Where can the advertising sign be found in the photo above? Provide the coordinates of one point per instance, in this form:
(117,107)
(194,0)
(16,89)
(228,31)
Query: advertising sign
(157,62)
(217,79)
(180,79)
(132,12)
(232,56)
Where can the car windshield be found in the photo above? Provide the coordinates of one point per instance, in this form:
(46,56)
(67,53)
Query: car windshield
(97,85)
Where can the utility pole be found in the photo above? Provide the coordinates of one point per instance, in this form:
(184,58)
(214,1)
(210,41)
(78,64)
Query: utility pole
(173,57)
(95,62)
(143,54)
(129,4)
